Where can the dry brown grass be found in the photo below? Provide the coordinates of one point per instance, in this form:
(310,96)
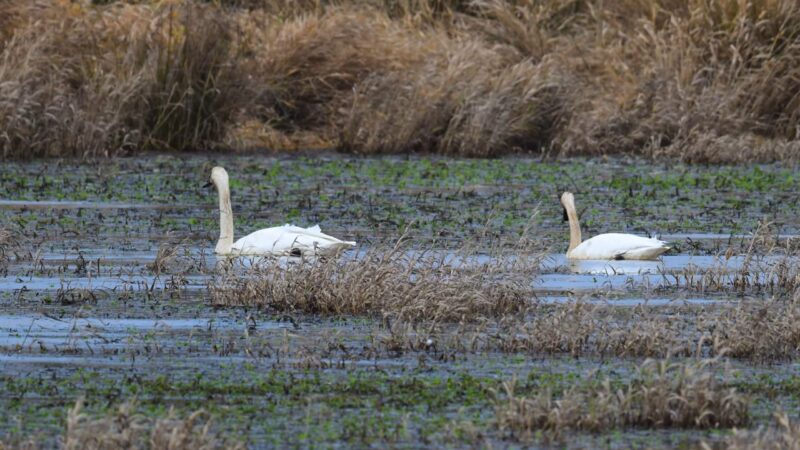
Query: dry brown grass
(767,332)
(698,80)
(84,80)
(755,331)
(785,436)
(662,394)
(129,429)
(393,283)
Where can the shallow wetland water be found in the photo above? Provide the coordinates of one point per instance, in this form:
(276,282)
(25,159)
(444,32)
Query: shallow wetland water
(107,274)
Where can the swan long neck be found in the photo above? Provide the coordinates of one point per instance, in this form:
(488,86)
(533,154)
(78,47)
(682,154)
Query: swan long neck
(225,220)
(574,225)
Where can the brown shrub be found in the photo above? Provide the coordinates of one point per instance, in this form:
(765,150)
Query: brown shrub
(682,82)
(303,71)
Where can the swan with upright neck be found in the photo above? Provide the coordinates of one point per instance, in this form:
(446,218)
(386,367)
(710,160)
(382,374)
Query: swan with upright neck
(286,240)
(609,245)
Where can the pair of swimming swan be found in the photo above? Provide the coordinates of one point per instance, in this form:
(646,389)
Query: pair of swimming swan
(290,240)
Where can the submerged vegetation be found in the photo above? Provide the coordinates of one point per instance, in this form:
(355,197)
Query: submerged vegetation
(704,81)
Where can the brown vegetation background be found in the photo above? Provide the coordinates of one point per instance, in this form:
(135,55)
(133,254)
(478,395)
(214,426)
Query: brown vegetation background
(699,80)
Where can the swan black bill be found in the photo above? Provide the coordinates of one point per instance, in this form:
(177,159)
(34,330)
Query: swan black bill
(565,217)
(208,185)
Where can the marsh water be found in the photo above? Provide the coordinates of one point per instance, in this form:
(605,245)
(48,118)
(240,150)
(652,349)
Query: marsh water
(86,309)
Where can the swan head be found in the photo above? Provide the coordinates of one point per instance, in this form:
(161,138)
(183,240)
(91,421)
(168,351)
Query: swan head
(567,199)
(567,202)
(219,177)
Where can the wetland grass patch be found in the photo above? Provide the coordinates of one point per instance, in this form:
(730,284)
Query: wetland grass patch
(392,283)
(752,331)
(768,265)
(127,428)
(783,435)
(662,394)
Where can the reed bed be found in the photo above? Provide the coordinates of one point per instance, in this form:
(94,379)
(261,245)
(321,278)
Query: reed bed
(700,81)
(662,394)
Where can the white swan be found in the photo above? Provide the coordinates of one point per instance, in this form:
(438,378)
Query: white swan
(609,245)
(286,240)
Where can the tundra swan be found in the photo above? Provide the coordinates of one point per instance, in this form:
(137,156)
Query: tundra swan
(609,245)
(286,240)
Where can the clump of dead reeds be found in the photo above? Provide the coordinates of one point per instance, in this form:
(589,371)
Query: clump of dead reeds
(393,282)
(752,330)
(305,70)
(8,242)
(663,394)
(765,332)
(5,239)
(785,436)
(129,429)
(174,257)
(580,328)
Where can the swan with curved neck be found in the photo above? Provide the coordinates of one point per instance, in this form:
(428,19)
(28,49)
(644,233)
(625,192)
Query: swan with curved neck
(609,245)
(287,240)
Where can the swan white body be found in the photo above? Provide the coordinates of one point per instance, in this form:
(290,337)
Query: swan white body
(609,245)
(286,240)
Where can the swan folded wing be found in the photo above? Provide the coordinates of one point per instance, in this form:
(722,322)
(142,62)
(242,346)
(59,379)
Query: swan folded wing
(288,240)
(295,229)
(642,253)
(619,246)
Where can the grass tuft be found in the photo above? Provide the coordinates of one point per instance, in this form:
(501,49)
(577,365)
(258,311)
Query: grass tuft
(393,283)
(663,394)
(126,428)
